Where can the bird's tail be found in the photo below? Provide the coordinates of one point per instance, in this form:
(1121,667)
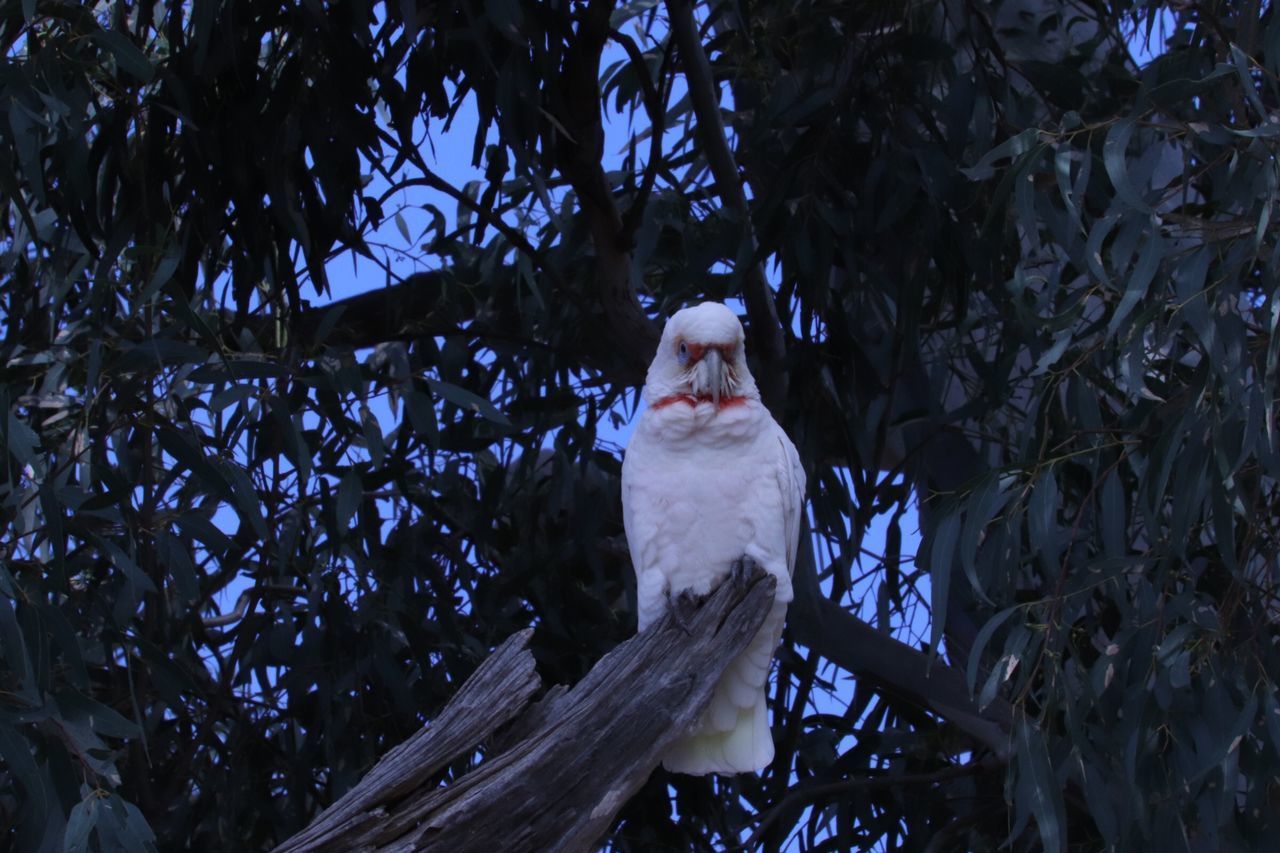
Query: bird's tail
(733,735)
(744,748)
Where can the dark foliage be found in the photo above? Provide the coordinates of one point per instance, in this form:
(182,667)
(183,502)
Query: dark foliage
(991,268)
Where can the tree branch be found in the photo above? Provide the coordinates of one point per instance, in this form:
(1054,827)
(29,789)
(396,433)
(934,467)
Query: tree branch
(514,237)
(810,792)
(768,340)
(845,640)
(569,762)
(655,107)
(422,306)
(577,139)
(494,693)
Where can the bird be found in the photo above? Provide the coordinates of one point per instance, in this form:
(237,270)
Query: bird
(710,480)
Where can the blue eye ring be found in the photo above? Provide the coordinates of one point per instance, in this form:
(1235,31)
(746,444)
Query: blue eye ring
(682,353)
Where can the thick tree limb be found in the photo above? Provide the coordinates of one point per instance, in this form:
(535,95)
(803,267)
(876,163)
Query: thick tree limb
(567,764)
(577,138)
(421,305)
(847,641)
(424,306)
(768,341)
(494,693)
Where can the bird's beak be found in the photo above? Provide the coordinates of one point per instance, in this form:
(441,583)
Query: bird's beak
(709,375)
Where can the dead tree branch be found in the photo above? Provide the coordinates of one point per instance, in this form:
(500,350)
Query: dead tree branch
(555,779)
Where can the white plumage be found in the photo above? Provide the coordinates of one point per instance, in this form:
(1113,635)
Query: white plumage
(709,477)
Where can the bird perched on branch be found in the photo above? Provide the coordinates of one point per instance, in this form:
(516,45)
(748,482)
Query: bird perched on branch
(709,481)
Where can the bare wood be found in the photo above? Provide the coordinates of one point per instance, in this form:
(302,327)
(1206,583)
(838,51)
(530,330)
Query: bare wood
(567,764)
(496,692)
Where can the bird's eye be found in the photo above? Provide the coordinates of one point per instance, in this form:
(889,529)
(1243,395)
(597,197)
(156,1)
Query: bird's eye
(682,352)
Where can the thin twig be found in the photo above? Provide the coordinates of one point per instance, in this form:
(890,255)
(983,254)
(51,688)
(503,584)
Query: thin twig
(655,106)
(804,793)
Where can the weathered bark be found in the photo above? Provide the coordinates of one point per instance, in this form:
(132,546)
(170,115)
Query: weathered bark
(494,693)
(555,779)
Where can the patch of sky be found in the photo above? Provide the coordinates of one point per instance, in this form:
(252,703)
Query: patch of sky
(1149,36)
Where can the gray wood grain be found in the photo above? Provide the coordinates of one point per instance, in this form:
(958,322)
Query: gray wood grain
(557,775)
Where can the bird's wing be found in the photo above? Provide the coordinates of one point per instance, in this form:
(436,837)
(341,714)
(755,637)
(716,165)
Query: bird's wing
(734,734)
(641,517)
(792,481)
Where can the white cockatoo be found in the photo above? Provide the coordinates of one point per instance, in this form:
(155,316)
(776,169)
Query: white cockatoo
(708,479)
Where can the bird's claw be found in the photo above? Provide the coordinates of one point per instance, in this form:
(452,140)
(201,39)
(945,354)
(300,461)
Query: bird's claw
(741,569)
(682,606)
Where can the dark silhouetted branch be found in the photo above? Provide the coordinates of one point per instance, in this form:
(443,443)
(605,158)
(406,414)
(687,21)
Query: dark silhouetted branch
(577,139)
(768,341)
(901,671)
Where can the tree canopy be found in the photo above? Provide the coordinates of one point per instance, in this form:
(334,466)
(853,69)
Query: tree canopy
(992,268)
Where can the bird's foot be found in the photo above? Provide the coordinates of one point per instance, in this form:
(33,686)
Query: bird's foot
(741,569)
(683,605)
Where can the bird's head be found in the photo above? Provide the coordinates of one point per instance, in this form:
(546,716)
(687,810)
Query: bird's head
(701,358)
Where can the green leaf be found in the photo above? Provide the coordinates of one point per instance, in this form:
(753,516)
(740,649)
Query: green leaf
(1062,172)
(1189,279)
(422,416)
(21,440)
(198,527)
(1112,516)
(464,399)
(373,436)
(151,353)
(19,761)
(163,273)
(1042,520)
(125,563)
(173,555)
(64,637)
(28,135)
(180,448)
(988,499)
(100,718)
(80,824)
(981,641)
(1050,357)
(350,494)
(295,446)
(1135,288)
(1011,149)
(1038,786)
(1114,158)
(942,553)
(1244,66)
(505,15)
(246,500)
(239,368)
(128,56)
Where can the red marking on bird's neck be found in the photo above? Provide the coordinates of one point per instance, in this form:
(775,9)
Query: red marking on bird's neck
(690,400)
